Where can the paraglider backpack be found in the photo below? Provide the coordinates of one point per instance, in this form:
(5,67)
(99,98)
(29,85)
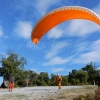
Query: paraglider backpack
(11,79)
(58,78)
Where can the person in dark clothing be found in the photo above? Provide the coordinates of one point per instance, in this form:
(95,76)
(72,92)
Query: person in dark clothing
(11,83)
(98,79)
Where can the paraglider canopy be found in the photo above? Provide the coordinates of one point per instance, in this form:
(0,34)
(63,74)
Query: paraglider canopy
(60,15)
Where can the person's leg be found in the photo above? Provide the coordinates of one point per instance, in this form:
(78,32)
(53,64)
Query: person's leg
(9,87)
(13,85)
(59,85)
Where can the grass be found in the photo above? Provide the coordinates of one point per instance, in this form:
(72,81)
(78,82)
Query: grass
(13,97)
(74,93)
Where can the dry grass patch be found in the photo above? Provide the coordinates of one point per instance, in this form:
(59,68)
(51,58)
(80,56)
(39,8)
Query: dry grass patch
(73,93)
(13,97)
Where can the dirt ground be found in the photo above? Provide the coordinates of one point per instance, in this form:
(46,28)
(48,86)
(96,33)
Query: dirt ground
(45,93)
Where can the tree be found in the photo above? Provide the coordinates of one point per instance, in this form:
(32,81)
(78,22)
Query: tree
(51,80)
(92,72)
(82,76)
(13,64)
(77,77)
(43,79)
(32,76)
(72,76)
(64,80)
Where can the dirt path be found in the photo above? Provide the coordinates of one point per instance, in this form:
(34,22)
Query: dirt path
(33,93)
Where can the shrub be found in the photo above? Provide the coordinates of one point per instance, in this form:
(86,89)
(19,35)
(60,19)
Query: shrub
(89,96)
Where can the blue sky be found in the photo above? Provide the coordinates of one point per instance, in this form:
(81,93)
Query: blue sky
(70,45)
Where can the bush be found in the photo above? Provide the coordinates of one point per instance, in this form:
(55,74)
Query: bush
(97,94)
(89,96)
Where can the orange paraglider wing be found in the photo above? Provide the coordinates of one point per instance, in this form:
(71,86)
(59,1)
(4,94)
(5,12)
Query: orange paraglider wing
(60,15)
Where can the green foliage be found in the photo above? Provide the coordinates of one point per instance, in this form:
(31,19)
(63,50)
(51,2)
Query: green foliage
(43,79)
(51,80)
(92,72)
(78,77)
(64,80)
(14,64)
(44,76)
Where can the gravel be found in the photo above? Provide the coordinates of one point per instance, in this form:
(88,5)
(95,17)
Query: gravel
(32,93)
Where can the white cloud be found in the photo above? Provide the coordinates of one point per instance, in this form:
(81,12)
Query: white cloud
(88,57)
(22,6)
(55,33)
(1,31)
(39,46)
(44,5)
(23,29)
(97,9)
(96,45)
(92,55)
(57,61)
(81,28)
(58,70)
(55,49)
(81,46)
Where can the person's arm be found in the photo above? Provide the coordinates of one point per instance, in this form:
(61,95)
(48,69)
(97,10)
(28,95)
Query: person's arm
(61,78)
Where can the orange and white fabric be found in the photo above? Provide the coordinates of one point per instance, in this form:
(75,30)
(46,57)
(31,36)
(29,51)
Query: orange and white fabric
(58,79)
